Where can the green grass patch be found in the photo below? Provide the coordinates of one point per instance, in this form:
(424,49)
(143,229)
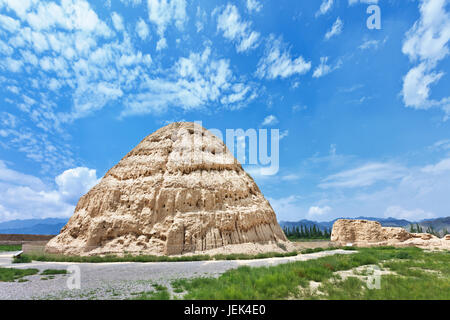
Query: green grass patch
(288,280)
(53,271)
(10,247)
(11,274)
(160,293)
(146,258)
(23,258)
(295,239)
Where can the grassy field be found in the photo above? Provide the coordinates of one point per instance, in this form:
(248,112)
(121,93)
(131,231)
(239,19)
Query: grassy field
(10,247)
(410,273)
(11,274)
(294,239)
(26,258)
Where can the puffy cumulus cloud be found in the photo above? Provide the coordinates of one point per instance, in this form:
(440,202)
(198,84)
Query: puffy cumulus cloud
(117,21)
(9,24)
(336,29)
(58,45)
(278,62)
(195,82)
(142,29)
(75,182)
(70,56)
(318,211)
(163,13)
(70,15)
(69,64)
(416,87)
(233,28)
(426,43)
(24,196)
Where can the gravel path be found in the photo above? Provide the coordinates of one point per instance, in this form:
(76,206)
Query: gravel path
(122,280)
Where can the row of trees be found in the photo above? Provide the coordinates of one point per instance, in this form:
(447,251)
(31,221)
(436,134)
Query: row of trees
(418,229)
(305,232)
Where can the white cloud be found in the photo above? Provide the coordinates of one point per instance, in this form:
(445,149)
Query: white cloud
(278,62)
(290,177)
(441,145)
(254,5)
(24,196)
(336,29)
(194,82)
(165,12)
(71,15)
(427,43)
(324,7)
(369,44)
(284,134)
(134,3)
(201,19)
(11,64)
(287,208)
(19,7)
(415,193)
(161,44)
(416,87)
(142,29)
(324,69)
(353,2)
(75,182)
(19,179)
(438,168)
(364,176)
(412,215)
(63,63)
(318,211)
(269,120)
(229,22)
(9,23)
(117,21)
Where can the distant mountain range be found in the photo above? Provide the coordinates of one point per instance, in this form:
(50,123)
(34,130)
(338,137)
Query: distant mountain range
(47,226)
(51,226)
(438,224)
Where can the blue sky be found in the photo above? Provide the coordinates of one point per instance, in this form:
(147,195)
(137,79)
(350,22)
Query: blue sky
(363,112)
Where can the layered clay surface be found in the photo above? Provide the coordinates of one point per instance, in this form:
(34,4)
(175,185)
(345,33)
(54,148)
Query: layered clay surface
(179,191)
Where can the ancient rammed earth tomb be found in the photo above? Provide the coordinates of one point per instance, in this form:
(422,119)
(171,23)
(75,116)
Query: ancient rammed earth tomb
(178,191)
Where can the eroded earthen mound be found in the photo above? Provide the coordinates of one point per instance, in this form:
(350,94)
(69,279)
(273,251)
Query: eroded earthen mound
(179,191)
(370,233)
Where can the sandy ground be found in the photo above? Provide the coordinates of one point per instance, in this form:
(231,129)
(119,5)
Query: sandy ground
(121,280)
